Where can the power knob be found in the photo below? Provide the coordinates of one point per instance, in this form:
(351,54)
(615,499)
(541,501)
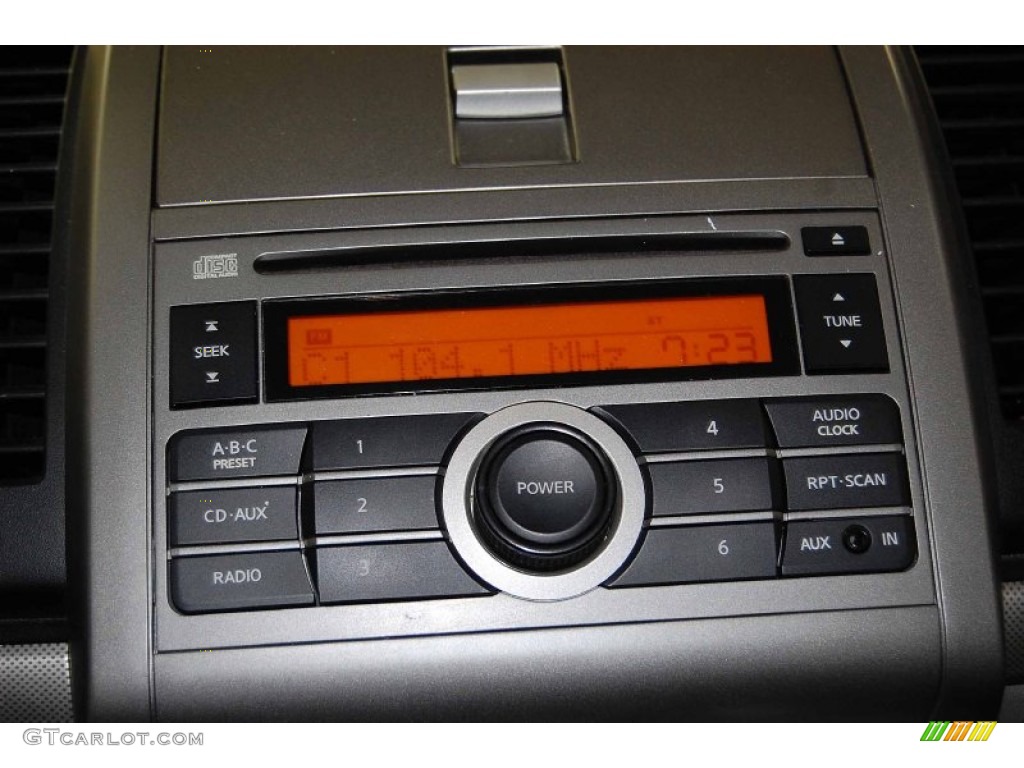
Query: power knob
(544,497)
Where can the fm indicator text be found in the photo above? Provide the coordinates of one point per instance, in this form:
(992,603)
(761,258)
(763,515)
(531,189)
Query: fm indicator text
(489,342)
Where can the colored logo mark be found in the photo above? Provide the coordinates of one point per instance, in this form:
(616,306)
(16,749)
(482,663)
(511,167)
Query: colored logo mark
(958,731)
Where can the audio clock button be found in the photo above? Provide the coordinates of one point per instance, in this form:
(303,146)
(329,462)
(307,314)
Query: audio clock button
(813,422)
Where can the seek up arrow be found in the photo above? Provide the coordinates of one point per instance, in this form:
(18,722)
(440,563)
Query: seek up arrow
(211,325)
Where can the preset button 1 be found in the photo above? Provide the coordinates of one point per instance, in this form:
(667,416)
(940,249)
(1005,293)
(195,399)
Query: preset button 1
(389,441)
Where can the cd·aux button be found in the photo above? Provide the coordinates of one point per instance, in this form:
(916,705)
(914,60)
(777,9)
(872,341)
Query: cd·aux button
(213,354)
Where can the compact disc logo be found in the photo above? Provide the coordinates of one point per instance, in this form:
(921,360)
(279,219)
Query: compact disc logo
(958,731)
(219,265)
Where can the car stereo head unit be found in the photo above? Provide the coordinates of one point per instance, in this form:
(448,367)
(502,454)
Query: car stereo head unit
(665,416)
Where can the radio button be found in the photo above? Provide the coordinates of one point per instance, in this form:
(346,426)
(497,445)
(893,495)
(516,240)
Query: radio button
(850,545)
(841,324)
(402,571)
(702,487)
(227,453)
(839,482)
(813,422)
(389,441)
(239,582)
(703,553)
(691,426)
(213,354)
(228,515)
(375,504)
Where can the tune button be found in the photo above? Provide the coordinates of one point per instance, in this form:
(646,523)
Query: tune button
(544,497)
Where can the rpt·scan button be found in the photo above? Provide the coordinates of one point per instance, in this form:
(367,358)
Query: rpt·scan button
(214,354)
(846,482)
(222,454)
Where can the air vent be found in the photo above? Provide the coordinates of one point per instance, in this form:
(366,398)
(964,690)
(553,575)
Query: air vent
(979,98)
(33,82)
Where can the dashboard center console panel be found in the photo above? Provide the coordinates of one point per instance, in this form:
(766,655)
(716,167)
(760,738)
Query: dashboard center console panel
(614,404)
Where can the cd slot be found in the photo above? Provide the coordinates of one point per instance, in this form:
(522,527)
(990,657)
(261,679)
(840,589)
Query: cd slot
(520,249)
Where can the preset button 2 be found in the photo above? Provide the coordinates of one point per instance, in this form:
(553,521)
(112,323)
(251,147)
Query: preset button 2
(368,505)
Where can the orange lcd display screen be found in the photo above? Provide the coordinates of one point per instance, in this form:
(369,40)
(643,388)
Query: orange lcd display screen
(529,340)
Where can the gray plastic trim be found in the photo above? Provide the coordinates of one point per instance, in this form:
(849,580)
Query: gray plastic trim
(945,399)
(457,504)
(108,402)
(872,665)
